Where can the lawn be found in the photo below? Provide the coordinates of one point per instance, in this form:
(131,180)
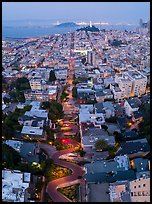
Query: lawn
(71,192)
(58,172)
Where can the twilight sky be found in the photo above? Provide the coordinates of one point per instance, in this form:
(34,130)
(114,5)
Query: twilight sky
(112,12)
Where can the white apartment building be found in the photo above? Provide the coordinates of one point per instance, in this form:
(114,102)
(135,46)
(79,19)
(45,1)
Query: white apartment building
(131,84)
(139,82)
(36,84)
(117,93)
(61,72)
(131,105)
(125,84)
(140,190)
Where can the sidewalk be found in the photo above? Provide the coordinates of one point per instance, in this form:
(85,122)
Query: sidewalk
(82,192)
(43,190)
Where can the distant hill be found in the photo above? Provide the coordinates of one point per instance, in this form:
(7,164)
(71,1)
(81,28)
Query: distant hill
(88,28)
(68,24)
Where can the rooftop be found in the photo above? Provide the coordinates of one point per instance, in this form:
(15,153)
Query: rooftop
(29,130)
(14,184)
(136,75)
(119,191)
(37,113)
(134,102)
(134,146)
(104,177)
(120,163)
(98,192)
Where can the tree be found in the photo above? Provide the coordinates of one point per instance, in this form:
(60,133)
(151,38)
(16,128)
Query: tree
(118,136)
(116,43)
(64,95)
(10,123)
(144,125)
(4,84)
(111,120)
(80,79)
(46,166)
(74,92)
(21,84)
(82,153)
(104,127)
(83,60)
(45,105)
(88,28)
(55,109)
(101,145)
(20,96)
(52,76)
(10,157)
(6,100)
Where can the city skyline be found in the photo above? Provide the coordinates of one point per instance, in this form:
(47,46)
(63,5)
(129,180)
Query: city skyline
(77,11)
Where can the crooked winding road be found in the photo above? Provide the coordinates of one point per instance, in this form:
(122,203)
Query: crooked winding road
(77,171)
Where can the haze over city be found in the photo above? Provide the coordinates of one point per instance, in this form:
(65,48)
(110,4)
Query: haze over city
(112,12)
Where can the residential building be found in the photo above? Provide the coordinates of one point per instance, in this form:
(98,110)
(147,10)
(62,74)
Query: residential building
(27,150)
(132,105)
(61,73)
(41,95)
(36,84)
(91,135)
(103,95)
(109,170)
(97,192)
(125,84)
(87,116)
(140,190)
(139,83)
(109,109)
(140,164)
(14,185)
(117,92)
(141,150)
(91,58)
(34,122)
(119,191)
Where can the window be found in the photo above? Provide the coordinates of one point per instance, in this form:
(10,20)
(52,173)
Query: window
(134,186)
(139,193)
(139,186)
(135,193)
(144,185)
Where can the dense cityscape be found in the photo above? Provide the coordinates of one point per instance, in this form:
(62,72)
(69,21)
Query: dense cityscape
(76,116)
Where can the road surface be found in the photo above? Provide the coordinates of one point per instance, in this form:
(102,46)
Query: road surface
(77,172)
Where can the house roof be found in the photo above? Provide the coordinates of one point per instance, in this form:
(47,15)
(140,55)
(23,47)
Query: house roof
(108,105)
(134,102)
(141,164)
(100,93)
(122,121)
(99,108)
(131,147)
(137,114)
(29,130)
(104,177)
(129,133)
